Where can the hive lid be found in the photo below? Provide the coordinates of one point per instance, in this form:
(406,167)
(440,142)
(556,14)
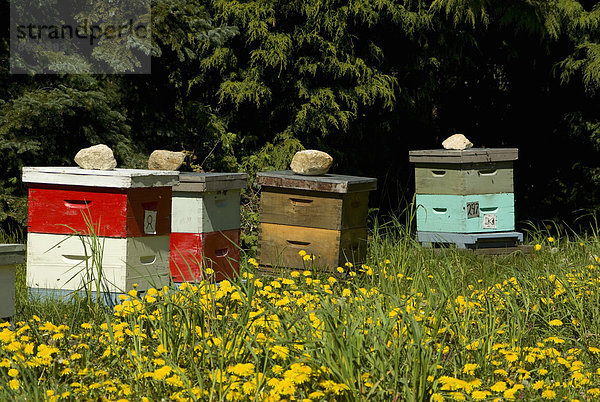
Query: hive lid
(332,183)
(116,178)
(471,155)
(11,254)
(200,182)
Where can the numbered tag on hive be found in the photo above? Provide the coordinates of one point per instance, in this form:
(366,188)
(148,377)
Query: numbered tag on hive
(150,222)
(473,209)
(489,221)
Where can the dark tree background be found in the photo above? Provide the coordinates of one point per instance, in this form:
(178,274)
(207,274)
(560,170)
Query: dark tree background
(243,85)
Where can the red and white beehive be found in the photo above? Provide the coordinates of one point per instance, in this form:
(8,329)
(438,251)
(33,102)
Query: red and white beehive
(130,212)
(206,225)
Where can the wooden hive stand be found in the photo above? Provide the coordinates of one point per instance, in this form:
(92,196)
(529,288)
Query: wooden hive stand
(125,211)
(206,225)
(466,198)
(325,216)
(10,256)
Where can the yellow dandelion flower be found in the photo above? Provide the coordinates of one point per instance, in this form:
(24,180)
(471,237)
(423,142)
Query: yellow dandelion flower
(479,395)
(470,368)
(537,247)
(280,352)
(555,323)
(242,369)
(595,392)
(548,394)
(437,397)
(500,386)
(538,385)
(14,384)
(551,239)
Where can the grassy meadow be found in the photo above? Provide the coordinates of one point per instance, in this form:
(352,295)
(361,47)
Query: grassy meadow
(410,324)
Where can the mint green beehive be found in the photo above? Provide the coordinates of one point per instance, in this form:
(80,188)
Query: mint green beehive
(465,191)
(449,213)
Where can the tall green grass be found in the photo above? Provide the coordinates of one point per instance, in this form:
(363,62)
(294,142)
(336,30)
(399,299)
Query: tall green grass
(414,315)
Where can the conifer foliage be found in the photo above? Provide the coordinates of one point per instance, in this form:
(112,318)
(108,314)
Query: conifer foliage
(242,85)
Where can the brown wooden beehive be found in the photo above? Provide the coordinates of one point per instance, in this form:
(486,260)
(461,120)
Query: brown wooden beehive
(326,216)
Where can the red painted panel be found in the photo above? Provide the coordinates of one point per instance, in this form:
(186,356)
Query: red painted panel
(61,210)
(140,200)
(192,251)
(115,212)
(186,256)
(222,253)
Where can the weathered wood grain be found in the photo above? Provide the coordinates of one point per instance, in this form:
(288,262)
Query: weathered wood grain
(472,155)
(12,254)
(463,179)
(116,178)
(313,208)
(7,290)
(201,182)
(468,239)
(331,183)
(279,246)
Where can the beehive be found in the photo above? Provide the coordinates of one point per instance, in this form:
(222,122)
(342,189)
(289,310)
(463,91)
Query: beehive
(326,216)
(466,192)
(123,213)
(206,225)
(10,256)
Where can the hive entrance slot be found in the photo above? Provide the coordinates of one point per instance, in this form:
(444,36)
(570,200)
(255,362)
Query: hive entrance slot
(147,259)
(77,203)
(440,210)
(72,258)
(222,252)
(296,243)
(438,173)
(300,201)
(489,210)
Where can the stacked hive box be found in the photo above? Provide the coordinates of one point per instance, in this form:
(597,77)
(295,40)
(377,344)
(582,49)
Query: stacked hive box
(326,216)
(125,212)
(206,225)
(466,197)
(10,256)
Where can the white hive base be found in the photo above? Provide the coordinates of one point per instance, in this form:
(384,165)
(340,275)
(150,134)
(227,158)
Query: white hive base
(64,262)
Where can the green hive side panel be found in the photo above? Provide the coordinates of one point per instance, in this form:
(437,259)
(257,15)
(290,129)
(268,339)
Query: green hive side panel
(475,213)
(464,179)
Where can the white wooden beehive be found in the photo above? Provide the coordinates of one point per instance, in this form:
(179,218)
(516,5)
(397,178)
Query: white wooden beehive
(207,202)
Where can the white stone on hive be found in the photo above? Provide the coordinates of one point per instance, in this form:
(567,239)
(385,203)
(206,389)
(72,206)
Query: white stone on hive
(311,162)
(165,160)
(98,157)
(457,141)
